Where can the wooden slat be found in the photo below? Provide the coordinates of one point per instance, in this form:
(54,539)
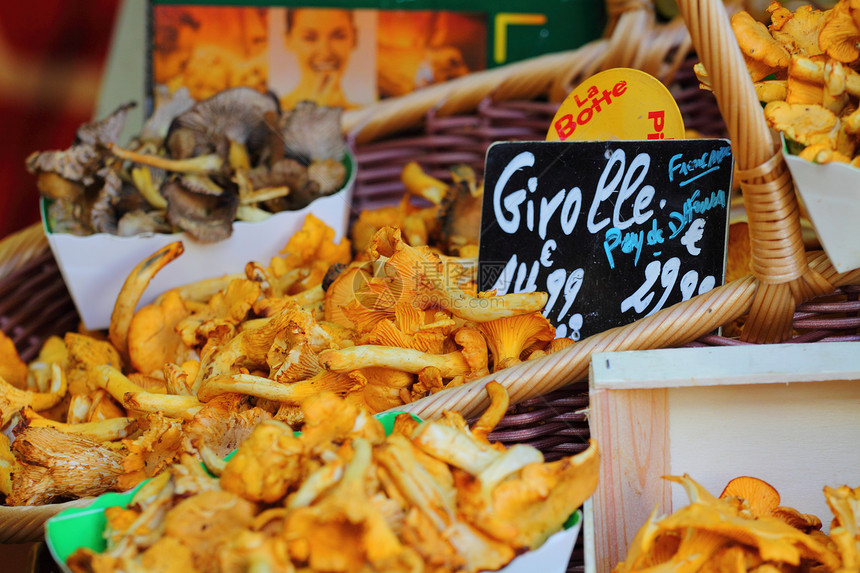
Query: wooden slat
(784,413)
(631,429)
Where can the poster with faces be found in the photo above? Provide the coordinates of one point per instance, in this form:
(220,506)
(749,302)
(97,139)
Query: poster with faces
(340,57)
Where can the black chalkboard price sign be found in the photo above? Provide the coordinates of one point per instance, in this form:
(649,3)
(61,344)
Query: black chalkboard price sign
(613,231)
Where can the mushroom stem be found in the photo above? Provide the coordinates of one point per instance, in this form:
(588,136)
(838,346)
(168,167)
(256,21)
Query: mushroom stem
(403,359)
(499,402)
(13,399)
(420,184)
(172,406)
(310,296)
(142,178)
(294,393)
(100,431)
(133,289)
(115,382)
(199,164)
(203,290)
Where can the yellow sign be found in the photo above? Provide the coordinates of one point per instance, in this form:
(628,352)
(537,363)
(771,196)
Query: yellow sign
(620,103)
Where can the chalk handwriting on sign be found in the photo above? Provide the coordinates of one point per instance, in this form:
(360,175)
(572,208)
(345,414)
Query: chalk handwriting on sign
(613,231)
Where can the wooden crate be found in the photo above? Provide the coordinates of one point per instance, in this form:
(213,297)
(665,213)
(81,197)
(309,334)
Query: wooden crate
(788,414)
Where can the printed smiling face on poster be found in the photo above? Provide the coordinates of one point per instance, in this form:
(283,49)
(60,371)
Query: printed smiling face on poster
(615,216)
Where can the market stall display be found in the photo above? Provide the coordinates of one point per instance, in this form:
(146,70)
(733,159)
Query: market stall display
(784,276)
(433,495)
(229,167)
(391,327)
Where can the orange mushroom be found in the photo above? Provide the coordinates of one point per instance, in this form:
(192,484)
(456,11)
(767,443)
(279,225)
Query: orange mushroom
(798,33)
(509,337)
(840,34)
(762,53)
(152,337)
(12,369)
(761,497)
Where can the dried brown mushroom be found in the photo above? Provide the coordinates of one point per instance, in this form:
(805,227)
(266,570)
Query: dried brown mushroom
(234,115)
(56,466)
(207,218)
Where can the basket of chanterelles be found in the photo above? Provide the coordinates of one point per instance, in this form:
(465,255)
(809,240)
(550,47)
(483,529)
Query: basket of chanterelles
(541,379)
(37,305)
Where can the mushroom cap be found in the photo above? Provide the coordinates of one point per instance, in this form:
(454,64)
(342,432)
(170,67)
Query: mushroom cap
(760,495)
(236,114)
(312,133)
(170,106)
(508,337)
(77,163)
(207,218)
(799,33)
(103,213)
(756,42)
(840,34)
(107,130)
(152,337)
(342,292)
(806,124)
(12,369)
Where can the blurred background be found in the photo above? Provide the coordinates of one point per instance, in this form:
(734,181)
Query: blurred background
(52,55)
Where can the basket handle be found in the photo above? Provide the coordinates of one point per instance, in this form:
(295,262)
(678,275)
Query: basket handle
(19,248)
(635,41)
(670,327)
(778,254)
(673,326)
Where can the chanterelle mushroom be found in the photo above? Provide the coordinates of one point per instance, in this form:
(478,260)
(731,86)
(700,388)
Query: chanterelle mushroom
(508,337)
(58,465)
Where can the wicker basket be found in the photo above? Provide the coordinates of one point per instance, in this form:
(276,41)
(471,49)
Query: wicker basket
(455,122)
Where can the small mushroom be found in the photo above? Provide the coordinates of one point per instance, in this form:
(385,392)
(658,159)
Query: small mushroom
(153,340)
(418,183)
(107,130)
(234,115)
(474,349)
(509,337)
(757,44)
(169,405)
(13,400)
(407,360)
(342,291)
(328,174)
(312,132)
(295,393)
(806,124)
(57,465)
(798,33)
(170,106)
(99,431)
(140,222)
(103,213)
(761,497)
(12,369)
(207,218)
(840,35)
(133,288)
(460,212)
(421,276)
(265,478)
